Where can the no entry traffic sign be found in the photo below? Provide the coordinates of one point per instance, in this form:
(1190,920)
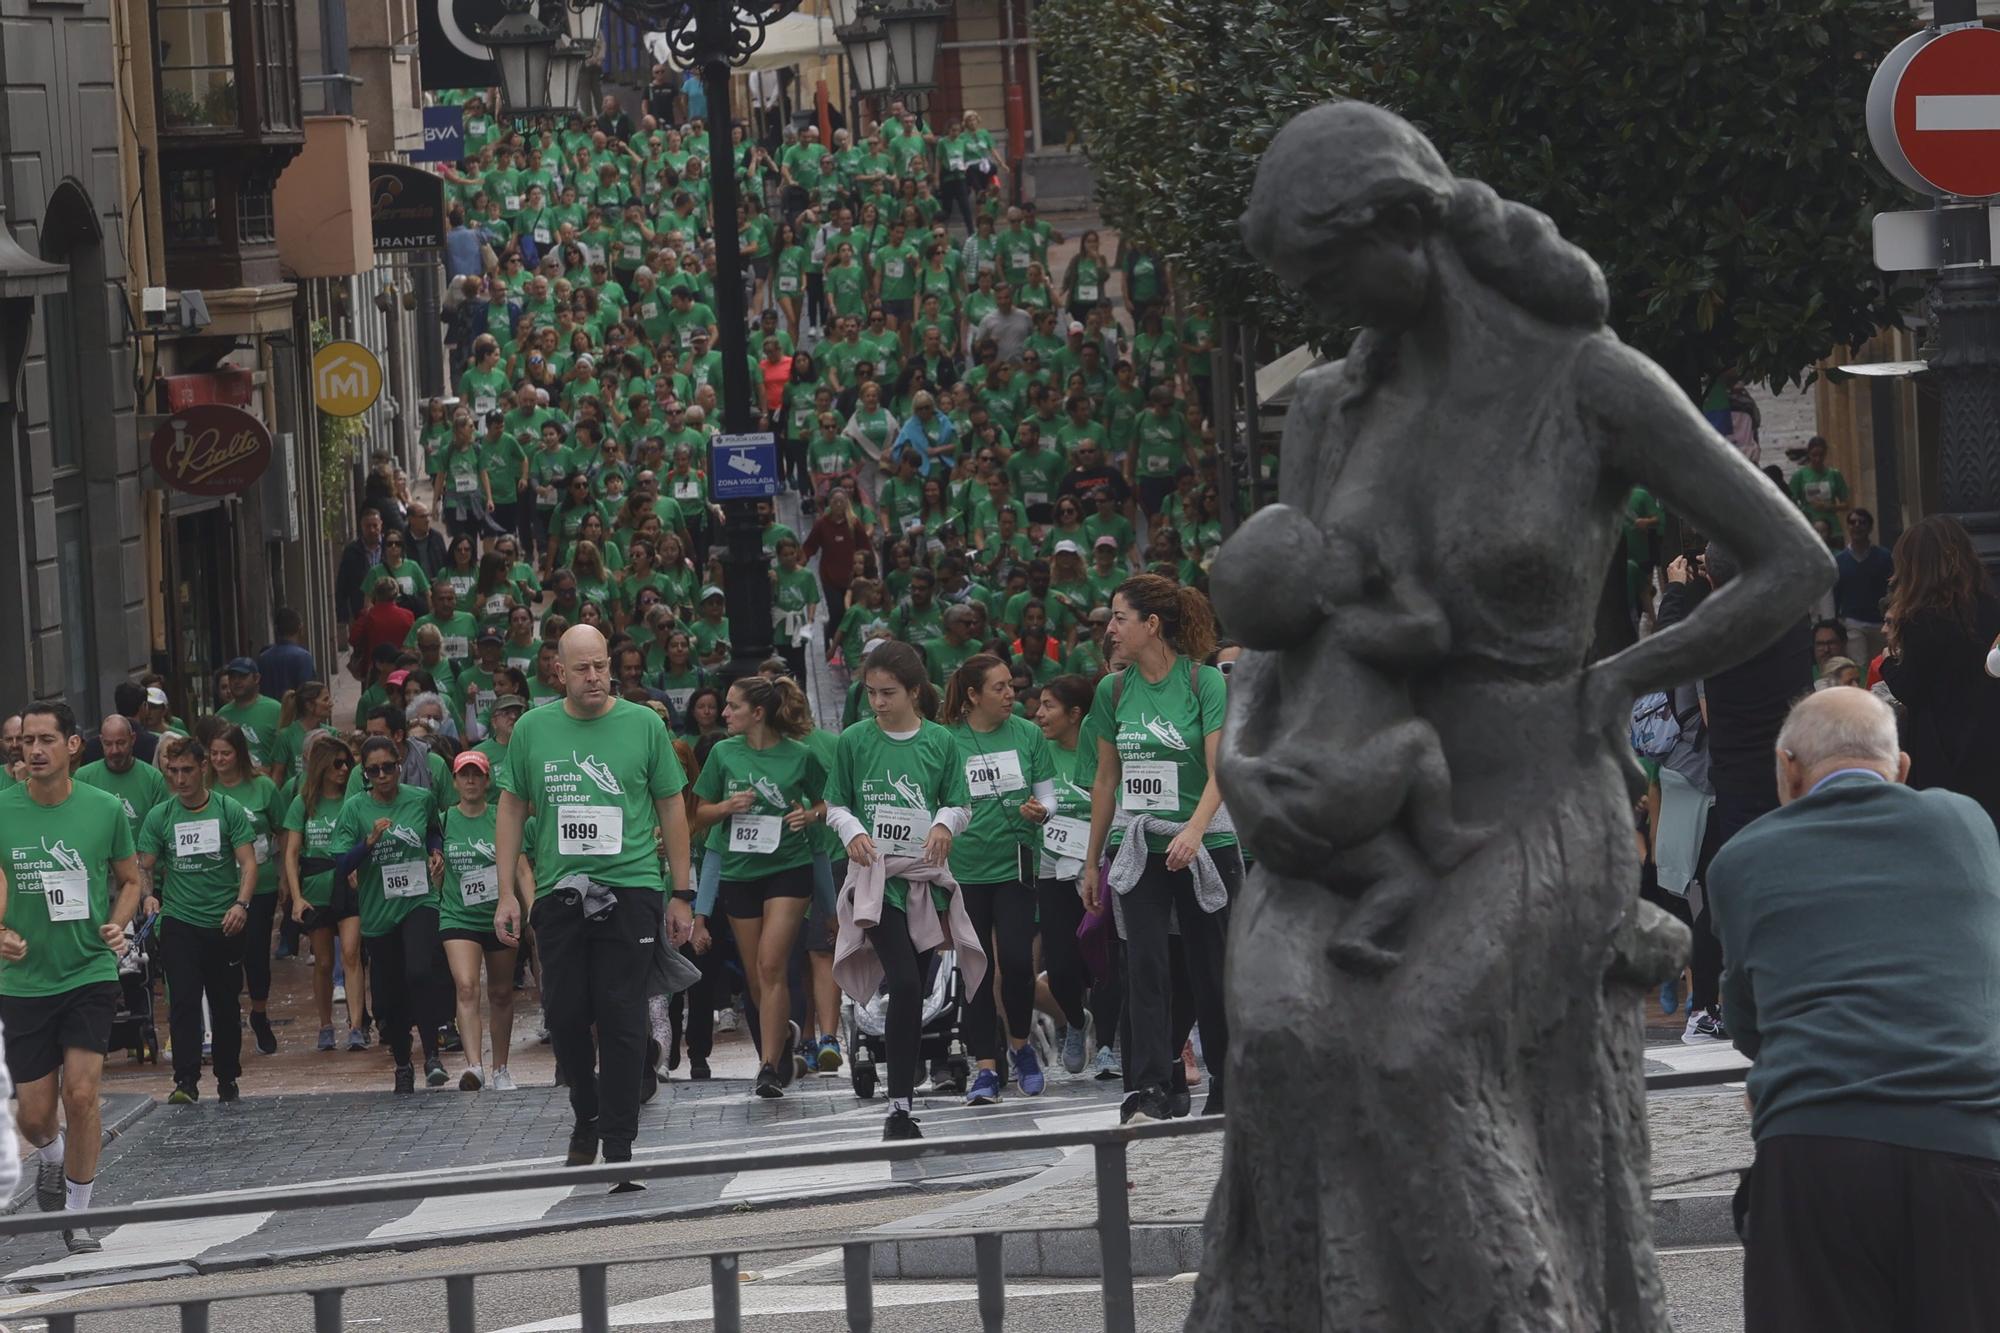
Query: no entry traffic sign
(1934,112)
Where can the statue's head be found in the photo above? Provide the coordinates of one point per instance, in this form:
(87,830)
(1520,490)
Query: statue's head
(1345,199)
(1350,201)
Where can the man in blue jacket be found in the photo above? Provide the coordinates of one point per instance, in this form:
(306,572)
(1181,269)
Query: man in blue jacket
(1861,924)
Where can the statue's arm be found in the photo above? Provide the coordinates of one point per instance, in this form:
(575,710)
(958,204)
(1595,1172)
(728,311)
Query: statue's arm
(1403,627)
(1653,437)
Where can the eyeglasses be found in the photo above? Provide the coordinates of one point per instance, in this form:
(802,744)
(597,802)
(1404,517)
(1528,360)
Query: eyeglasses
(343,762)
(379,770)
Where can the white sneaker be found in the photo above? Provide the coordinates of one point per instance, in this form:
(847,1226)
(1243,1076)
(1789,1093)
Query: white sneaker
(502,1080)
(472,1080)
(340,993)
(1703,1028)
(725,1020)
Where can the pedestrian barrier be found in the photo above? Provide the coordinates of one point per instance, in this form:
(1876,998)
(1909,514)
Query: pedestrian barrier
(1113,1227)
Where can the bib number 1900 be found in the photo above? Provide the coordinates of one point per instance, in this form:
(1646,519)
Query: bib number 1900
(1150,785)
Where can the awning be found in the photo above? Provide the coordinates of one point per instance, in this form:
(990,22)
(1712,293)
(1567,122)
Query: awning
(794,38)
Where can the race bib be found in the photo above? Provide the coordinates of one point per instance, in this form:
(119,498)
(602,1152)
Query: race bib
(994,774)
(1067,838)
(456,646)
(545,496)
(687,490)
(787,283)
(408,583)
(261,848)
(464,482)
(476,887)
(406,879)
(756,835)
(496,605)
(590,830)
(1819,492)
(649,311)
(679,698)
(893,268)
(513,203)
(957,163)
(66,893)
(1158,463)
(542,236)
(899,831)
(484,403)
(1036,499)
(1086,291)
(201,837)
(1150,785)
(477,125)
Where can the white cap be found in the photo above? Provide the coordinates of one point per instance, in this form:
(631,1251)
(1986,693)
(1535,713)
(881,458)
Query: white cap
(1067,547)
(1075,327)
(156,696)
(870,646)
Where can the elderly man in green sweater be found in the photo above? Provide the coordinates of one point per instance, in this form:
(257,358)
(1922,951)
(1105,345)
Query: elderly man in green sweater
(1861,921)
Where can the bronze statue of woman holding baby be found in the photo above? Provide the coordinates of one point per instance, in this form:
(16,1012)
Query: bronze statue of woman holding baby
(1437,1116)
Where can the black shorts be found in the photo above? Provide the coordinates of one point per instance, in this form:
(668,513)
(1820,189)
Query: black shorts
(344,903)
(485,939)
(898,310)
(1153,492)
(746,897)
(39,1028)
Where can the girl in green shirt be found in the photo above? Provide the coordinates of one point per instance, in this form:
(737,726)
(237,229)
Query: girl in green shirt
(867,618)
(465,918)
(314,900)
(1063,835)
(767,786)
(846,285)
(413,587)
(1011,781)
(789,272)
(898,791)
(388,836)
(238,779)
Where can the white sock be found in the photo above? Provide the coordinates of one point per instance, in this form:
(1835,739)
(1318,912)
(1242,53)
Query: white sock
(76,1197)
(52,1151)
(902,1104)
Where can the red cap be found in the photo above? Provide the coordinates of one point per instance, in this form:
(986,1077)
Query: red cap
(472,759)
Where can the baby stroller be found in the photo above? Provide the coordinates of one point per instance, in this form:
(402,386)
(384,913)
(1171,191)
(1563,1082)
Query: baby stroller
(138,976)
(941,1039)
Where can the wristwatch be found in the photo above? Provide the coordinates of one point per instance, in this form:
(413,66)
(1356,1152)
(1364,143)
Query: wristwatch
(683,895)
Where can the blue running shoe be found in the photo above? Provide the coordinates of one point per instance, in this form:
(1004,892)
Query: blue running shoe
(1028,1070)
(985,1089)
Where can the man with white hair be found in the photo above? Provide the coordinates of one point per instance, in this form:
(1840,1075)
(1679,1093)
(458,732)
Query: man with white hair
(1861,924)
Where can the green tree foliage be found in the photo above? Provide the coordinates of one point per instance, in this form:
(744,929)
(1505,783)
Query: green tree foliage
(1710,154)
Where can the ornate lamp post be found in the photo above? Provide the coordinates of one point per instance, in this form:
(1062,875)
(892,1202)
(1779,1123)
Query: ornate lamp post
(892,46)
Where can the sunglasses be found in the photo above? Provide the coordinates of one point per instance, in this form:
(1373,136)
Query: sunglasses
(379,770)
(343,762)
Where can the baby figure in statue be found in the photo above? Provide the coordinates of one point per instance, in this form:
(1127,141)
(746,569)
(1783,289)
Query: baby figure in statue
(1374,809)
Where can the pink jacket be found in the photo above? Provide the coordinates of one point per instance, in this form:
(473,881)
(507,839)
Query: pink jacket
(855,966)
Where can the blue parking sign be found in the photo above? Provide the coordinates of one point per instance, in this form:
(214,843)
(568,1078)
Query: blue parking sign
(744,467)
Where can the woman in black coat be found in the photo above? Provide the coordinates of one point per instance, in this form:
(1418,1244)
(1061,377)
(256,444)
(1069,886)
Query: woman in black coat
(1943,617)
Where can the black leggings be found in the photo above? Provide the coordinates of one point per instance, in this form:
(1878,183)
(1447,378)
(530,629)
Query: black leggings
(1107,996)
(257,945)
(1156,1025)
(903,971)
(956,194)
(400,975)
(1003,917)
(198,961)
(1061,910)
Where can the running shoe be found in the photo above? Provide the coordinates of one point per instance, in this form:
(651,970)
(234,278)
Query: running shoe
(827,1058)
(227,1091)
(698,1069)
(1670,996)
(406,1079)
(985,1089)
(326,1041)
(472,1080)
(49,1191)
(434,1073)
(81,1241)
(1178,1100)
(767,1083)
(1143,1108)
(786,1064)
(260,1027)
(357,1039)
(503,1081)
(184,1094)
(582,1144)
(1028,1071)
(448,1039)
(899,1126)
(1107,1067)
(1074,1040)
(340,992)
(1703,1027)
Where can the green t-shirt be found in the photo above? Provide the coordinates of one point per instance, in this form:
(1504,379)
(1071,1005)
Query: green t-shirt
(139,788)
(783,777)
(1057,841)
(1034,474)
(259,717)
(1816,491)
(896,787)
(194,853)
(1160,733)
(943,659)
(317,846)
(260,800)
(1001,769)
(857,627)
(410,582)
(58,861)
(471,869)
(395,880)
(1162,444)
(593,782)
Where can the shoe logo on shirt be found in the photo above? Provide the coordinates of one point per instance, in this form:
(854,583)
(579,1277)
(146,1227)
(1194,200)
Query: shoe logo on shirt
(409,837)
(64,857)
(486,850)
(1165,732)
(769,791)
(598,772)
(910,790)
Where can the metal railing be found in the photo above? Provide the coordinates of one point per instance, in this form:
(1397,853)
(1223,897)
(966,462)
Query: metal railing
(1113,1227)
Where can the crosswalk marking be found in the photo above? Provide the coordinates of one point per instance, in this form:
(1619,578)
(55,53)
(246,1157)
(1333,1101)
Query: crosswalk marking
(693,1304)
(145,1243)
(812,1182)
(479,1212)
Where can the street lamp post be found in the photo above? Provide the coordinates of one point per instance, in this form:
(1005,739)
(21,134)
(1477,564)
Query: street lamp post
(892,46)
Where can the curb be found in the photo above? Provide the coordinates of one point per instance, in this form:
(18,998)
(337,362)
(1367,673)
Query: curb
(118,1121)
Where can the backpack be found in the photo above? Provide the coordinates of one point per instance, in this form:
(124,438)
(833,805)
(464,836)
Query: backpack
(1655,728)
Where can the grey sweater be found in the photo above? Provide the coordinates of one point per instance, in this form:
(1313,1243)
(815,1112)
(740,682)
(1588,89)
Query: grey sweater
(1861,931)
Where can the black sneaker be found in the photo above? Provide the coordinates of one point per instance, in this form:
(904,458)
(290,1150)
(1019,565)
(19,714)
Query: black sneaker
(1178,1100)
(226,1090)
(50,1192)
(434,1073)
(767,1083)
(583,1145)
(184,1094)
(406,1078)
(615,1151)
(899,1126)
(81,1241)
(449,1040)
(260,1027)
(1143,1108)
(698,1069)
(787,1062)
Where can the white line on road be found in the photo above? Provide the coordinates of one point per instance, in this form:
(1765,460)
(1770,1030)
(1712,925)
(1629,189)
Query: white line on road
(1958,111)
(483,1212)
(693,1305)
(145,1243)
(813,1182)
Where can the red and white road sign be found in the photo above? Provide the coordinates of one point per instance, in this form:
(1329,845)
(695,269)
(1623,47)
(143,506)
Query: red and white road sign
(1947,112)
